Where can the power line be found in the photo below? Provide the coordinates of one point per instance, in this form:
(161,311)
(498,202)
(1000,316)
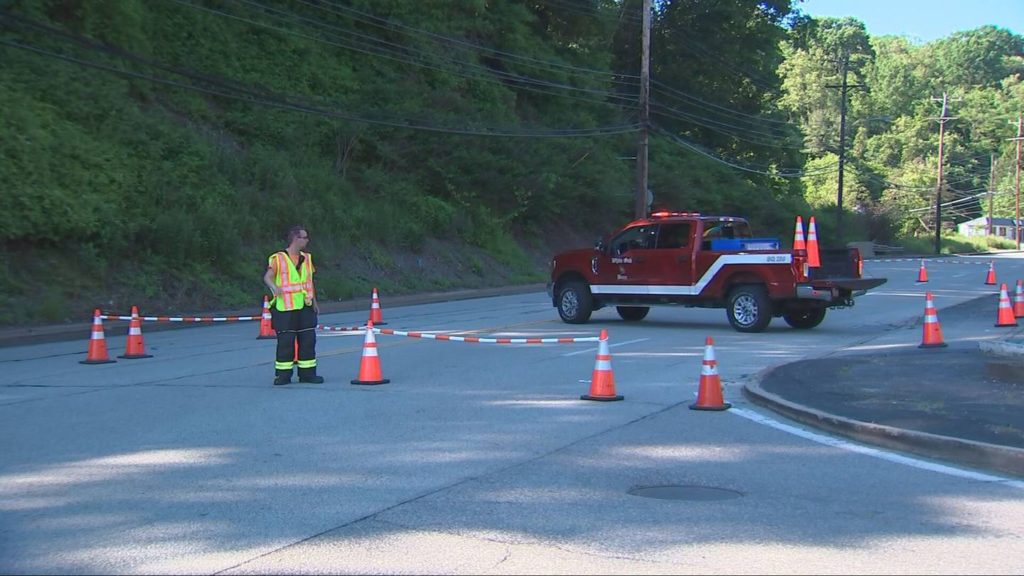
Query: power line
(392,25)
(271,99)
(738,132)
(397,53)
(734,163)
(679,94)
(388,24)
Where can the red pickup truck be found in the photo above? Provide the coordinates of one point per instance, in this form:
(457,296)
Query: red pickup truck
(688,259)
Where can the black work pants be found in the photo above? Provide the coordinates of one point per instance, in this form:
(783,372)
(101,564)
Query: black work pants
(291,326)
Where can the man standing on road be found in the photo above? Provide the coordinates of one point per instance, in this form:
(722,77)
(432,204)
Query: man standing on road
(294,308)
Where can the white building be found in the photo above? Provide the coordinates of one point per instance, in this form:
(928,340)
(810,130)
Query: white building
(1001,227)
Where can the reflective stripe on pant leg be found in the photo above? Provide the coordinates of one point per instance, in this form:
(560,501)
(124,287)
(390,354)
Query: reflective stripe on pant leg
(285,359)
(307,348)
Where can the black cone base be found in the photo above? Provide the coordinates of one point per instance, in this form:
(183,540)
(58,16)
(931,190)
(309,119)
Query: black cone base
(370,382)
(601,398)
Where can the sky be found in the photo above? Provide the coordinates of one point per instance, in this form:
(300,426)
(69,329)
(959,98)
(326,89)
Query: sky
(921,20)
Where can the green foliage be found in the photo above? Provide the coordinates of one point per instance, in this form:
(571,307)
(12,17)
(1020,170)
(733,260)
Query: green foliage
(892,149)
(154,152)
(956,244)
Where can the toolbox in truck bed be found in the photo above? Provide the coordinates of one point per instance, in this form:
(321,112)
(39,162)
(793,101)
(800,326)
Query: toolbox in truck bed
(744,244)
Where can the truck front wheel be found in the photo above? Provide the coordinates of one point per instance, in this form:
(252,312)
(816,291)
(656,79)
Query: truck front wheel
(575,302)
(749,309)
(805,319)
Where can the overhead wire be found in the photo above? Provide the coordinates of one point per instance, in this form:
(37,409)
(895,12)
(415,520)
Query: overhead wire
(746,167)
(392,54)
(268,98)
(390,24)
(738,132)
(598,14)
(679,94)
(706,53)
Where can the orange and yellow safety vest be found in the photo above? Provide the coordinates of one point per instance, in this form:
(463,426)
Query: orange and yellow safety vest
(296,284)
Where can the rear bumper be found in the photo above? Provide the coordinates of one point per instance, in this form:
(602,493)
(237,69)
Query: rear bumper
(854,284)
(837,288)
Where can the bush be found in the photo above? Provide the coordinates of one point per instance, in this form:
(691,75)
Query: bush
(956,244)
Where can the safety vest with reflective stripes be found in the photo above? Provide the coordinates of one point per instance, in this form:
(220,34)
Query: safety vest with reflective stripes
(296,284)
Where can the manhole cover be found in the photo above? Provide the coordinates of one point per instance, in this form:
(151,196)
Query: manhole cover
(697,493)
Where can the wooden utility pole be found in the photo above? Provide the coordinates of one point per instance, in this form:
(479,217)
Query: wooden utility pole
(938,187)
(843,87)
(640,197)
(1019,139)
(991,191)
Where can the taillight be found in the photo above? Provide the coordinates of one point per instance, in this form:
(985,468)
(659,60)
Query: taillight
(860,266)
(800,267)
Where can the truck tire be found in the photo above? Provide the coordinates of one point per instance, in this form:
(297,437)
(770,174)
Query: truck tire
(575,302)
(804,319)
(749,309)
(632,313)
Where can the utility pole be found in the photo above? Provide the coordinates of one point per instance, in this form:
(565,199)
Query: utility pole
(1019,139)
(938,187)
(991,191)
(843,87)
(640,198)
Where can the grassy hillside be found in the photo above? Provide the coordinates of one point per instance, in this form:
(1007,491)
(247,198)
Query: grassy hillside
(155,151)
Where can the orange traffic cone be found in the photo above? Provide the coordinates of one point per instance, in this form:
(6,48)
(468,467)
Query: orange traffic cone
(1018,301)
(266,325)
(709,394)
(990,278)
(932,337)
(813,259)
(136,347)
(922,274)
(1005,317)
(376,315)
(798,235)
(602,380)
(369,366)
(97,343)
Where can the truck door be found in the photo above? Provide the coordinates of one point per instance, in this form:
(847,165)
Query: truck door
(671,262)
(626,261)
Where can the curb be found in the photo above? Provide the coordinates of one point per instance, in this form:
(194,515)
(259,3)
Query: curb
(1004,459)
(1007,349)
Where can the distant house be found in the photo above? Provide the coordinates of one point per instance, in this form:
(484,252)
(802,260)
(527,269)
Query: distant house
(1001,227)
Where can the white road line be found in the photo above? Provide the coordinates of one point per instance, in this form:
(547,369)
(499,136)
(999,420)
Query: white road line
(593,350)
(875,452)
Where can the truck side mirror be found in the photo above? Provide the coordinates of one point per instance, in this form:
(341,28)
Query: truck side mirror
(599,245)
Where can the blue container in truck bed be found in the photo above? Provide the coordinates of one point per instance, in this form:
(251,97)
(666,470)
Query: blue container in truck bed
(744,244)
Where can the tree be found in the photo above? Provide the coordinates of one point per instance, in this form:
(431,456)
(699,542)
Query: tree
(817,53)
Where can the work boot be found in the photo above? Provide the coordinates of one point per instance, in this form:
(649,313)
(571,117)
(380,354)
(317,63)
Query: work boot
(282,377)
(308,376)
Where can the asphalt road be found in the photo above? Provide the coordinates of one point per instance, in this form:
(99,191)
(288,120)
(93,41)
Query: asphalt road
(481,458)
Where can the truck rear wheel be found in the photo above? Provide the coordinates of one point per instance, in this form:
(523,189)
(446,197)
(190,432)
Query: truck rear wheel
(749,309)
(632,313)
(575,302)
(805,319)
